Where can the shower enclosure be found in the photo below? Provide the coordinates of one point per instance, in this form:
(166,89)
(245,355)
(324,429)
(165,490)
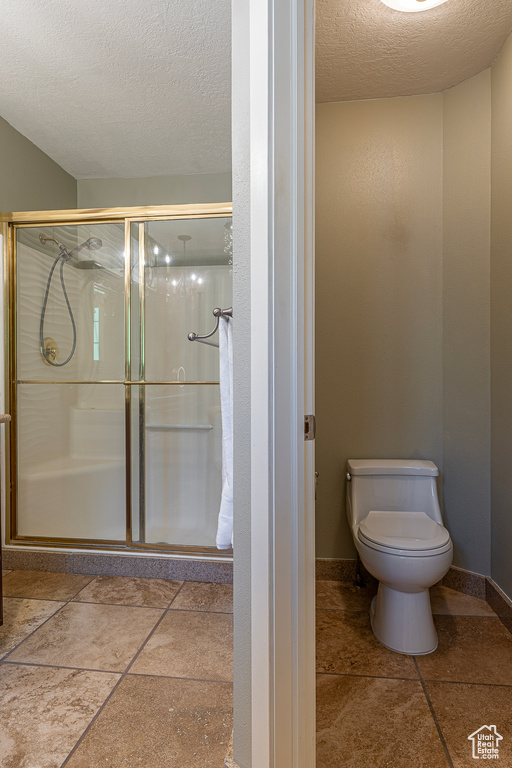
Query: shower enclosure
(116,432)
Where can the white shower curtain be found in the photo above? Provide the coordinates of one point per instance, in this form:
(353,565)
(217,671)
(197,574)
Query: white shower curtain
(225,524)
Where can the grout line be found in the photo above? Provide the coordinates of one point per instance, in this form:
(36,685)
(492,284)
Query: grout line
(449,615)
(371,677)
(101,708)
(39,599)
(113,672)
(60,666)
(35,629)
(415,679)
(432,712)
(116,686)
(53,599)
(119,605)
(468,682)
(177,677)
(343,610)
(176,595)
(198,610)
(116,672)
(84,586)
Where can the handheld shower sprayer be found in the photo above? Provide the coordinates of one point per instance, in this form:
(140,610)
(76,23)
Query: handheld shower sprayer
(49,355)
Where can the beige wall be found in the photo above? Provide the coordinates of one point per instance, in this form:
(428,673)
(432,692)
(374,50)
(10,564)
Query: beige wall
(29,179)
(501,319)
(414,303)
(156,190)
(466,320)
(379,299)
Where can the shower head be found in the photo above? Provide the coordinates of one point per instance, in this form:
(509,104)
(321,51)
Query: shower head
(92,244)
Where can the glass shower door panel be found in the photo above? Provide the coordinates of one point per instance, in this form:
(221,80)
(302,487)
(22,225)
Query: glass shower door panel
(187,274)
(82,265)
(182,464)
(71,461)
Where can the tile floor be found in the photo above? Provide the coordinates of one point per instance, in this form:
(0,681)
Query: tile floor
(114,672)
(377,709)
(130,673)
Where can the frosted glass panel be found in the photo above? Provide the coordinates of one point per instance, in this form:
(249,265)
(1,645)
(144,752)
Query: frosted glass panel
(71,458)
(183,464)
(94,283)
(187,274)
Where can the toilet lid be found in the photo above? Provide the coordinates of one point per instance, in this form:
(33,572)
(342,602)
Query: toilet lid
(403,530)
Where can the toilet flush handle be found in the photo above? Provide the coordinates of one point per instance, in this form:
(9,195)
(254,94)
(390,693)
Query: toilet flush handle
(349,477)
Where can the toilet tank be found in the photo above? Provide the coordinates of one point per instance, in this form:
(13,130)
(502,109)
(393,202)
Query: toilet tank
(391,484)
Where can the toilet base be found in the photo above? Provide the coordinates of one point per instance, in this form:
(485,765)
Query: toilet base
(402,621)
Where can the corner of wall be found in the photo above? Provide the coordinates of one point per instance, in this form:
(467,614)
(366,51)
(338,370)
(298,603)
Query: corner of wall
(466,320)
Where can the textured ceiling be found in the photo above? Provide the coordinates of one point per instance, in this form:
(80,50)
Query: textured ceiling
(365,50)
(120,88)
(134,88)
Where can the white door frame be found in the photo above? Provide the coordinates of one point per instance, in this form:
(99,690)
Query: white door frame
(273,130)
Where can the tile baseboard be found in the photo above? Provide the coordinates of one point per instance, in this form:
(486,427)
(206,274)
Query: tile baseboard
(500,603)
(331,569)
(465,581)
(118,565)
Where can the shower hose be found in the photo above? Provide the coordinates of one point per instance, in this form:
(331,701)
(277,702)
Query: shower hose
(60,258)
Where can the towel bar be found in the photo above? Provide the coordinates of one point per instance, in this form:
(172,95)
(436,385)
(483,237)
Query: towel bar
(217,313)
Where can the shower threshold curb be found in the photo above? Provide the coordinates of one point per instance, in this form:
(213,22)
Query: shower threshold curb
(126,564)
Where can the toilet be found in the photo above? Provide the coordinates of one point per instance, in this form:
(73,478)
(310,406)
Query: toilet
(394,515)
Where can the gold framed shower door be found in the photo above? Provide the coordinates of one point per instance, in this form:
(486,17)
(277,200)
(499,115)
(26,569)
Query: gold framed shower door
(9,223)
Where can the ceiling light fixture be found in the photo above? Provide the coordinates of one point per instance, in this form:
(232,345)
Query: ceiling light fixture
(412,6)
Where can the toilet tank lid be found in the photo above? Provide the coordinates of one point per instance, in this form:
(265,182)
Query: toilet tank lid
(392,467)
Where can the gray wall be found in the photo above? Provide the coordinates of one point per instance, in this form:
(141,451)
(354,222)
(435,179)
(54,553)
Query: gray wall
(389,269)
(30,180)
(466,320)
(501,319)
(156,190)
(378,292)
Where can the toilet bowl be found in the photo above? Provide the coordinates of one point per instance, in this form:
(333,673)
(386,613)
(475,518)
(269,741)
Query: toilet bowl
(395,520)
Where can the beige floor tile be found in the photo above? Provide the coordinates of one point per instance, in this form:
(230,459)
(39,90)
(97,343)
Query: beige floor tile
(449,602)
(43,585)
(43,711)
(345,644)
(104,637)
(190,644)
(123,590)
(342,595)
(21,617)
(471,650)
(462,709)
(375,723)
(159,723)
(199,596)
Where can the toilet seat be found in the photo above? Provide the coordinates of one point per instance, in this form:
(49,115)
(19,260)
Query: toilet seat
(412,534)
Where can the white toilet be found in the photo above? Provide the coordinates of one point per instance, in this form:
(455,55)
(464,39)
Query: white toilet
(393,513)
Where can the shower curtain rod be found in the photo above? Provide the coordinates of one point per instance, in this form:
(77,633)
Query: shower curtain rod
(217,313)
